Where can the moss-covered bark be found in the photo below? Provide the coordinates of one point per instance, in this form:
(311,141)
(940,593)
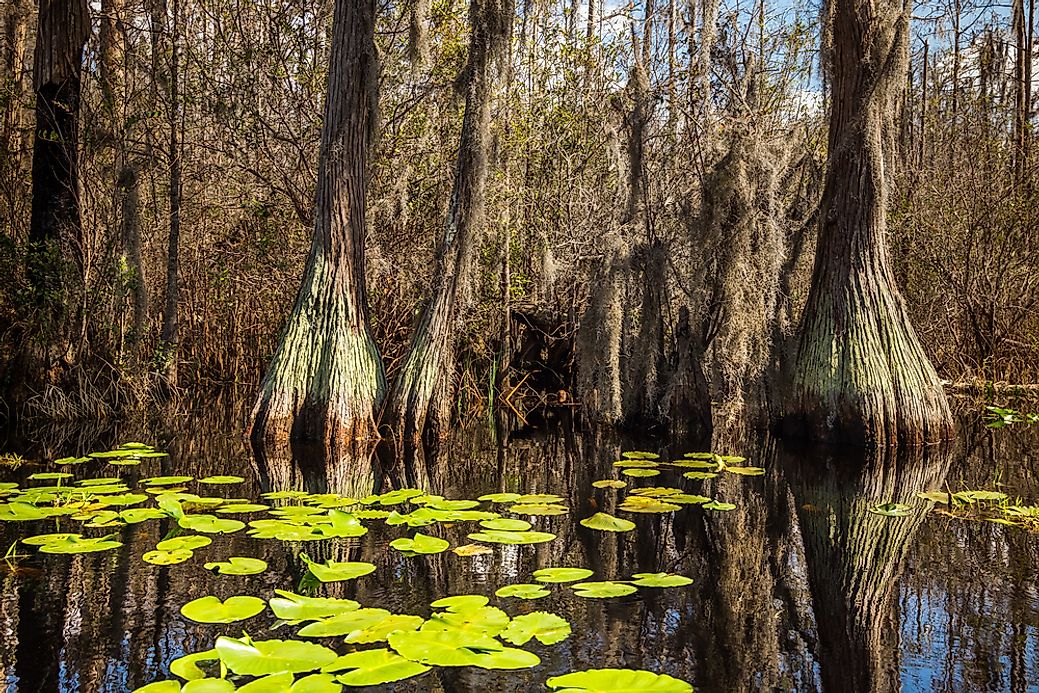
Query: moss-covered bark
(419,404)
(860,373)
(326,378)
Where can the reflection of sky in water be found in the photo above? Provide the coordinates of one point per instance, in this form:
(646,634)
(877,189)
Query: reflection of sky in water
(979,640)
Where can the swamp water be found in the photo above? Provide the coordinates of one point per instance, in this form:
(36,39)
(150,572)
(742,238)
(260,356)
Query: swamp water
(824,572)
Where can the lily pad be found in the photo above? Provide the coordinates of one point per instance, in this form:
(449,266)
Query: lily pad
(546,628)
(492,536)
(539,498)
(891,509)
(378,632)
(500,497)
(445,648)
(609,483)
(295,607)
(603,590)
(660,580)
(263,657)
(617,681)
(522,591)
(210,524)
(208,686)
(189,541)
(557,575)
(334,571)
(186,667)
(460,602)
(538,509)
(746,471)
(227,479)
(238,565)
(607,523)
(166,480)
(77,544)
(374,667)
(41,539)
(643,504)
(507,524)
(640,472)
(159,557)
(210,609)
(345,623)
(700,475)
(719,505)
(420,544)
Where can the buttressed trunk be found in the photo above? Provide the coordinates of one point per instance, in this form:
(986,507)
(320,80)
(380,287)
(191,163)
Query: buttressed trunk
(55,222)
(419,404)
(326,377)
(860,374)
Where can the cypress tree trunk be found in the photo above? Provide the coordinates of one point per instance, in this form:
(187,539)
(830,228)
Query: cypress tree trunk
(419,404)
(326,377)
(860,374)
(55,222)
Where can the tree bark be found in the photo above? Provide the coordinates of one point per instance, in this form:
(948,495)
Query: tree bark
(326,378)
(169,337)
(860,374)
(419,404)
(55,222)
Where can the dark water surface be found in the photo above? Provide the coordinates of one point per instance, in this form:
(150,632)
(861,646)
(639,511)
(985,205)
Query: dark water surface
(798,588)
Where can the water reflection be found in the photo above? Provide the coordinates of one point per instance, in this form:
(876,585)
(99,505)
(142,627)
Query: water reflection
(799,588)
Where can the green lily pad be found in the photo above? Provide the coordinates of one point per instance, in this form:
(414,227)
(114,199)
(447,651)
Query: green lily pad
(607,523)
(609,483)
(295,607)
(132,516)
(236,508)
(719,505)
(275,683)
(420,544)
(159,687)
(188,541)
(221,480)
(238,565)
(700,475)
(636,464)
(617,681)
(890,509)
(603,590)
(660,580)
(522,591)
(746,471)
(77,544)
(334,571)
(41,539)
(345,623)
(461,602)
(378,632)
(263,657)
(159,557)
(935,496)
(208,686)
(166,480)
(492,536)
(972,496)
(500,497)
(50,476)
(186,667)
(210,524)
(557,575)
(507,524)
(539,509)
(445,648)
(547,628)
(316,683)
(374,667)
(640,472)
(485,620)
(644,504)
(640,455)
(210,609)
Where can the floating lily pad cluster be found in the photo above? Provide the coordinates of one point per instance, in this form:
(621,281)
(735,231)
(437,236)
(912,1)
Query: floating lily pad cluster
(462,630)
